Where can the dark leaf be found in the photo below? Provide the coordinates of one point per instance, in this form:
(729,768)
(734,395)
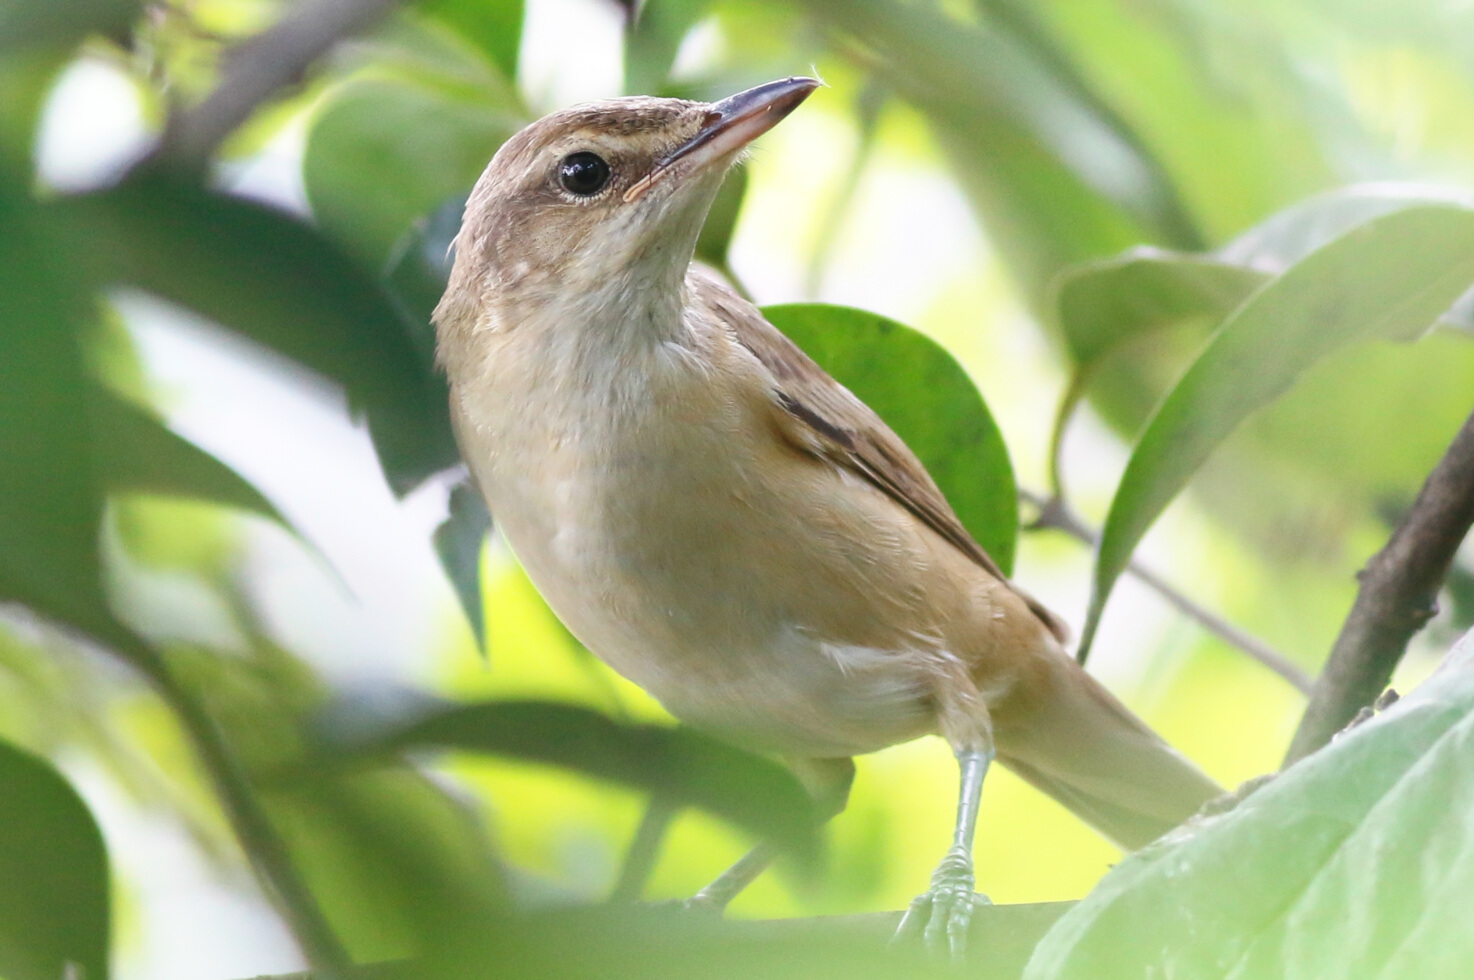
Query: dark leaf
(685,767)
(62,23)
(54,892)
(134,452)
(50,507)
(458,542)
(275,280)
(927,398)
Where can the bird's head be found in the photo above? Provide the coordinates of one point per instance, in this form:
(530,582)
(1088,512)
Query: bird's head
(605,195)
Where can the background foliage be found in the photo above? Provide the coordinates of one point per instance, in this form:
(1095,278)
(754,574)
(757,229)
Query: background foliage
(1206,260)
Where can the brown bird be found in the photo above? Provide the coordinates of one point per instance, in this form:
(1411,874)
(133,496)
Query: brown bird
(729,527)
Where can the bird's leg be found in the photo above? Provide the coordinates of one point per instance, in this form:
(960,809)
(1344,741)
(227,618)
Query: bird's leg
(828,781)
(943,912)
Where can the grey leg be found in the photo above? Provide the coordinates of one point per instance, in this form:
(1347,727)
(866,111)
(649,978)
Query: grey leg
(828,781)
(943,912)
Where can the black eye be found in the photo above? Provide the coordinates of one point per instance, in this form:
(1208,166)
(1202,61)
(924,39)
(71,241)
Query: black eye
(583,173)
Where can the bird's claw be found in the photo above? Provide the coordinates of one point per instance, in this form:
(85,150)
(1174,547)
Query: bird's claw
(941,915)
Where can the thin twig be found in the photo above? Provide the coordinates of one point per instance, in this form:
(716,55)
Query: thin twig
(264,849)
(1397,597)
(256,69)
(1054,514)
(639,860)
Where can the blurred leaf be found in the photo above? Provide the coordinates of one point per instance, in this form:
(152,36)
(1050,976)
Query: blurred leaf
(394,859)
(458,542)
(419,267)
(275,280)
(494,26)
(927,398)
(62,23)
(721,221)
(1357,862)
(681,765)
(54,890)
(653,35)
(1057,176)
(1387,279)
(137,453)
(50,508)
(633,942)
(383,154)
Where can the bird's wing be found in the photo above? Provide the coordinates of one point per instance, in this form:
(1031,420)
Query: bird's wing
(826,420)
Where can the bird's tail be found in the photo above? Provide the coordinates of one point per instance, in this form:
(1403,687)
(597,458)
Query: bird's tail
(1088,751)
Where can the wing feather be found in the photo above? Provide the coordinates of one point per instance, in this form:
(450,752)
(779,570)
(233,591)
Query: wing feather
(834,425)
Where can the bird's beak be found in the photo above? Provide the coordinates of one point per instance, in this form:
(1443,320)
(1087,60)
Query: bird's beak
(730,125)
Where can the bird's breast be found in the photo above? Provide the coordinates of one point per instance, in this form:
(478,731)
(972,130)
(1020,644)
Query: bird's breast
(646,510)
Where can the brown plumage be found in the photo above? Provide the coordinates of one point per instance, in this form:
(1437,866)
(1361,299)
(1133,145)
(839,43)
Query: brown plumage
(726,525)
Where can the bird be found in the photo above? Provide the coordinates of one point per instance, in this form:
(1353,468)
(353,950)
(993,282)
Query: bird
(724,524)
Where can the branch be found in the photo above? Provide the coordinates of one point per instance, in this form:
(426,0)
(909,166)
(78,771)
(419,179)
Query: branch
(1055,514)
(264,849)
(1000,940)
(257,68)
(1398,595)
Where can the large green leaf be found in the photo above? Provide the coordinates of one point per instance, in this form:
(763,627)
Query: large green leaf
(54,898)
(927,398)
(681,765)
(277,281)
(385,153)
(1389,278)
(1105,303)
(1358,862)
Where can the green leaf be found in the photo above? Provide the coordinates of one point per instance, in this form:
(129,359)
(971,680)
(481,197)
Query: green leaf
(494,26)
(1108,302)
(383,154)
(926,397)
(62,23)
(1357,862)
(278,282)
(681,765)
(458,542)
(1290,235)
(50,507)
(652,38)
(134,452)
(54,898)
(1387,279)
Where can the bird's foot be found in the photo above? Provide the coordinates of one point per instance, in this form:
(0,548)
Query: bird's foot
(703,904)
(941,915)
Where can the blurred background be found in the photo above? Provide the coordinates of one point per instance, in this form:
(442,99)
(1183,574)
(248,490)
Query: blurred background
(962,157)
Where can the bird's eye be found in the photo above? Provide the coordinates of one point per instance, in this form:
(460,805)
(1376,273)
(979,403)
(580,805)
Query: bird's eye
(583,174)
